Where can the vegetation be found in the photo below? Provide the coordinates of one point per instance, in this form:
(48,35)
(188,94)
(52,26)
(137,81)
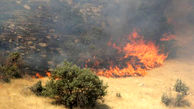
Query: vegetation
(118,95)
(166,99)
(37,88)
(12,68)
(49,31)
(179,101)
(180,87)
(72,86)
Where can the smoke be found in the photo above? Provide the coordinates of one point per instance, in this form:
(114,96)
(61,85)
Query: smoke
(145,15)
(47,32)
(181,15)
(154,18)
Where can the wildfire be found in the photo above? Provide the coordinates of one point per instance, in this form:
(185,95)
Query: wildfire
(48,74)
(38,75)
(134,58)
(141,56)
(168,37)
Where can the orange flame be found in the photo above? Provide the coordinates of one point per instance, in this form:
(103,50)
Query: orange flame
(168,37)
(48,74)
(38,75)
(87,61)
(146,53)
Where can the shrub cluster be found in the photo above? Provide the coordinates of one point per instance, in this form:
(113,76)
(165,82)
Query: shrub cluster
(72,86)
(179,101)
(12,68)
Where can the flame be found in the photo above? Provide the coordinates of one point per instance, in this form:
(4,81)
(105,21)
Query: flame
(168,37)
(48,74)
(141,55)
(86,63)
(38,75)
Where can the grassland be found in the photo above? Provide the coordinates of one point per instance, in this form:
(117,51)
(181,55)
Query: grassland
(136,92)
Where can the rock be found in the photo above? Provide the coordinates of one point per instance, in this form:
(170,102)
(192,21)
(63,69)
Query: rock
(141,84)
(52,30)
(32,47)
(30,42)
(44,55)
(10,40)
(18,2)
(33,38)
(42,44)
(19,37)
(48,37)
(27,7)
(50,62)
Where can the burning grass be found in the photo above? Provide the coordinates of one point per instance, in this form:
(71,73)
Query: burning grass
(134,59)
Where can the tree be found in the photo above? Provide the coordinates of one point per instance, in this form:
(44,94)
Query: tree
(13,68)
(74,87)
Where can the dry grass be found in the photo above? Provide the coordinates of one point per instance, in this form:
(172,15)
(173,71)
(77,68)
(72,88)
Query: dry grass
(17,96)
(137,92)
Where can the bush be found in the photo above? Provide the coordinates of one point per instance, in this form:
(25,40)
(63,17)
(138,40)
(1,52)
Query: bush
(14,58)
(12,67)
(74,87)
(118,95)
(180,101)
(166,99)
(181,90)
(180,87)
(37,88)
(8,72)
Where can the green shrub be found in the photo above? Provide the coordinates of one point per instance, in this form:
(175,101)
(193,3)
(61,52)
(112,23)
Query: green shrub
(12,68)
(182,90)
(14,58)
(37,88)
(74,87)
(180,87)
(180,101)
(166,99)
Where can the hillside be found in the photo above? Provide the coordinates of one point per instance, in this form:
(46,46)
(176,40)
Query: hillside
(138,47)
(137,92)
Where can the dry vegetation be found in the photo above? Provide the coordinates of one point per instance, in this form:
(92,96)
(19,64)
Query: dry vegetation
(136,93)
(67,30)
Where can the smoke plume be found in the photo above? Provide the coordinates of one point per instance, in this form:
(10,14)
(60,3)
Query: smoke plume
(47,32)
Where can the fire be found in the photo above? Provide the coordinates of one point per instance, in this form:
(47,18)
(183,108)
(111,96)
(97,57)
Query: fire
(48,74)
(141,56)
(38,75)
(168,37)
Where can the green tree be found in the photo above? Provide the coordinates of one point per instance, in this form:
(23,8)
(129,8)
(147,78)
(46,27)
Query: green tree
(13,68)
